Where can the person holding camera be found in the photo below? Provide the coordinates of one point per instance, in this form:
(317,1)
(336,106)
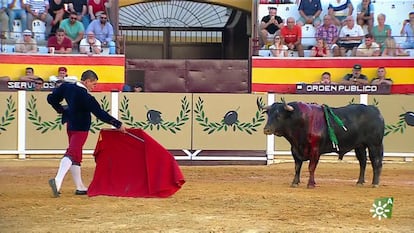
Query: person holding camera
(90,45)
(356,77)
(350,36)
(407,30)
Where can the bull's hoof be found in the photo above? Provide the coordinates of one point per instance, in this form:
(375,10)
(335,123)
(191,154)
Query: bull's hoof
(359,184)
(375,185)
(293,185)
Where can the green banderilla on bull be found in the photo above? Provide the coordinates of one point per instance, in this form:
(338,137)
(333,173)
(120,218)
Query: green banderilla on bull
(328,112)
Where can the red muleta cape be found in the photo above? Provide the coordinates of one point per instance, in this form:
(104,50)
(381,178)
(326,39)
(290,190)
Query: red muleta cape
(128,167)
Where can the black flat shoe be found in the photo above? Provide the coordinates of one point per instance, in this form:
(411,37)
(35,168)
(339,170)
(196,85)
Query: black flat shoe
(80,192)
(52,184)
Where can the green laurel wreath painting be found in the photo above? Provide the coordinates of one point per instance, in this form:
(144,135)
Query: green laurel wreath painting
(44,126)
(400,126)
(230,120)
(9,114)
(154,119)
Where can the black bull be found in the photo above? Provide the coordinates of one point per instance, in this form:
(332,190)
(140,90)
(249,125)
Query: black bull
(305,127)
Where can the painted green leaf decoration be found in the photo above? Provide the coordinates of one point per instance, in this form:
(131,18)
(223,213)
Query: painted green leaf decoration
(44,126)
(8,114)
(234,124)
(171,126)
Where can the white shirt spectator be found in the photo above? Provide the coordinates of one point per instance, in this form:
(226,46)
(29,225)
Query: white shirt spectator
(355,31)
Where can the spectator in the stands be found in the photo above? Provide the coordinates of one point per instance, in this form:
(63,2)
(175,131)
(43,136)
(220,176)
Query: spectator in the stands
(325,79)
(97,7)
(269,26)
(57,11)
(80,7)
(26,44)
(73,28)
(4,20)
(103,31)
(392,49)
(381,78)
(137,87)
(381,31)
(29,75)
(62,76)
(291,35)
(329,33)
(4,79)
(408,31)
(309,11)
(59,42)
(17,10)
(278,49)
(369,48)
(350,36)
(321,49)
(38,84)
(90,45)
(355,77)
(365,14)
(339,10)
(37,9)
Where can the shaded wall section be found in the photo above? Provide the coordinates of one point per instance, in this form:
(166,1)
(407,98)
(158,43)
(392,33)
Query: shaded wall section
(190,76)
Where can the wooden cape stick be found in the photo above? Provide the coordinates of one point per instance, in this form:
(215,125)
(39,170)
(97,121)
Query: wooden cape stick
(136,137)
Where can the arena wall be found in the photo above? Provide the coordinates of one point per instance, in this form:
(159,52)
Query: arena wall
(196,128)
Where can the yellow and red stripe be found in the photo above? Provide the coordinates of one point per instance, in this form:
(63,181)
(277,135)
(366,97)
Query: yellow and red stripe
(282,74)
(110,69)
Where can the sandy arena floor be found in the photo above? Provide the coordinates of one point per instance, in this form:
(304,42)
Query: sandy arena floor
(214,199)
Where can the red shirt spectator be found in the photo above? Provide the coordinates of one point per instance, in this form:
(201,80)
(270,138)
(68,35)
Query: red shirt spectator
(95,7)
(292,36)
(60,42)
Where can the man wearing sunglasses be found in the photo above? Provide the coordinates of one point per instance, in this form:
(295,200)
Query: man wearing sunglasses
(73,28)
(103,31)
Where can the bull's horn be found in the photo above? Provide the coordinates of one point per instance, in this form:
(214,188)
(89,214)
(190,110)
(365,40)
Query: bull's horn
(265,107)
(289,108)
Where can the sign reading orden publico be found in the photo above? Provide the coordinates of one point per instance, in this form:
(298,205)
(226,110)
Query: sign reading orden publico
(331,89)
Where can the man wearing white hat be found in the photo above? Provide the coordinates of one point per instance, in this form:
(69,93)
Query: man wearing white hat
(26,44)
(4,19)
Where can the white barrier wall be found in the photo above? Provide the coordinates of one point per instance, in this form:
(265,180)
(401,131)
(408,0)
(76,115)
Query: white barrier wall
(191,123)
